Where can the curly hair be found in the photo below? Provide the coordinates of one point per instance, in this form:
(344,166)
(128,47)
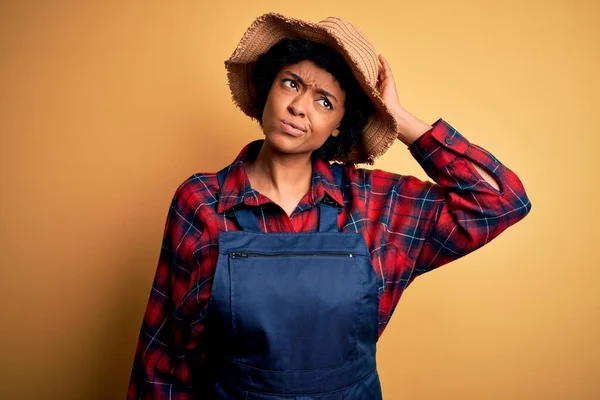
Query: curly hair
(358,107)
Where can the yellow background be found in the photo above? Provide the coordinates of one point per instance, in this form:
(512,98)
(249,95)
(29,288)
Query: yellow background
(105,108)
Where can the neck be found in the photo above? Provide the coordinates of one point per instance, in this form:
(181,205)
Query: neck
(275,174)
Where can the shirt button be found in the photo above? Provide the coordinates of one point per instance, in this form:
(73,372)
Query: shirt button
(448,141)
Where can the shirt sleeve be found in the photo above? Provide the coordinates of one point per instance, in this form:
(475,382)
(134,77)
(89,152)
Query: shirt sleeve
(472,212)
(161,367)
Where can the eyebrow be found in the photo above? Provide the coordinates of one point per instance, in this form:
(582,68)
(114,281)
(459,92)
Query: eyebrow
(319,90)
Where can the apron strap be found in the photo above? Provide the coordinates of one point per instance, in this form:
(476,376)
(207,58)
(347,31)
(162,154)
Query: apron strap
(328,217)
(247,220)
(328,208)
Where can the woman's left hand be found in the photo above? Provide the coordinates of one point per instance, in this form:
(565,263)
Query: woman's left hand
(386,85)
(410,128)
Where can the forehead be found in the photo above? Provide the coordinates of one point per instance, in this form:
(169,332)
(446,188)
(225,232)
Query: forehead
(312,74)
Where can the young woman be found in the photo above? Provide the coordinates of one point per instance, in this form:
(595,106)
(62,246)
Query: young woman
(279,273)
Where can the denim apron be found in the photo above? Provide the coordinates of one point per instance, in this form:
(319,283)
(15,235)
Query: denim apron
(293,315)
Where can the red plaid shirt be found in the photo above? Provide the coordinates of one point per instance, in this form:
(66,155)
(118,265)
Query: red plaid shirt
(410,227)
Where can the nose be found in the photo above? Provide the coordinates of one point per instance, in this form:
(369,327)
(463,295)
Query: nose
(297,106)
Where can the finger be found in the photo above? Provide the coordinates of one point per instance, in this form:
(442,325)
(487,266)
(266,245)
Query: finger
(382,63)
(382,73)
(382,60)
(388,68)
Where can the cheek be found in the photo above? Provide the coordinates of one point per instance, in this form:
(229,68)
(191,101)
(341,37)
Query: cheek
(324,125)
(271,107)
(267,114)
(336,121)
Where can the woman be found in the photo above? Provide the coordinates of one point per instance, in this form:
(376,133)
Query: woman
(278,274)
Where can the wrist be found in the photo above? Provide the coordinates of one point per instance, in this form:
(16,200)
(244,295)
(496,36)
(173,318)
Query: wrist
(410,128)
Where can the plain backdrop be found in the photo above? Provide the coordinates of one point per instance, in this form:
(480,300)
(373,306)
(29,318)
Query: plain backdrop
(107,106)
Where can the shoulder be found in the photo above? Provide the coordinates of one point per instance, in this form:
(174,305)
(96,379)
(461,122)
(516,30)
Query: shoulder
(196,190)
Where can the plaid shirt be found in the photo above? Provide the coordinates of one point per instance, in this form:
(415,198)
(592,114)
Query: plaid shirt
(410,227)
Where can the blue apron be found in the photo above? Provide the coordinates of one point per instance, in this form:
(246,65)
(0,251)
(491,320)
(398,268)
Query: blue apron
(293,315)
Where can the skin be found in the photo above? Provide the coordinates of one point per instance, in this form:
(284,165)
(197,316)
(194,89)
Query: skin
(282,170)
(311,98)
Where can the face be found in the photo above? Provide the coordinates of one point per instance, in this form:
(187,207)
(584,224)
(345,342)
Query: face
(304,108)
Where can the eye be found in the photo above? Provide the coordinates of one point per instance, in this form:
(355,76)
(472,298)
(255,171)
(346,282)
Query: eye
(290,83)
(326,103)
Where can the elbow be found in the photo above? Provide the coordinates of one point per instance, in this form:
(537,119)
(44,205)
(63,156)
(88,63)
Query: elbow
(495,221)
(526,209)
(515,199)
(522,204)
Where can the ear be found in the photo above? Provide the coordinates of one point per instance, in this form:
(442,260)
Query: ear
(336,131)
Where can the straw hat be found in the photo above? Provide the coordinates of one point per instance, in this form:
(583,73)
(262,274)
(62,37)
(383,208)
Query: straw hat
(359,53)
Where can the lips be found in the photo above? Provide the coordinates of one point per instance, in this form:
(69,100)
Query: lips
(293,125)
(291,128)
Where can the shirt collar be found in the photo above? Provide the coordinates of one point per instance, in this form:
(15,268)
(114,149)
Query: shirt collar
(236,188)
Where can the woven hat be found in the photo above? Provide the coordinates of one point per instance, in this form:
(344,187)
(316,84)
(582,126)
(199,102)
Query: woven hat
(340,35)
